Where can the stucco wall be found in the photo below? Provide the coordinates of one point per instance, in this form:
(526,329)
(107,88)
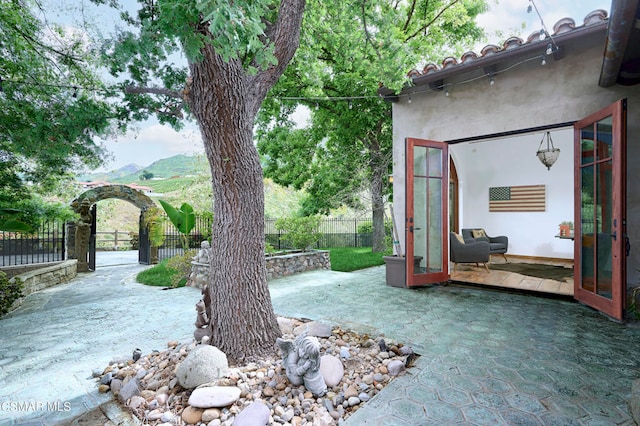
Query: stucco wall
(526,96)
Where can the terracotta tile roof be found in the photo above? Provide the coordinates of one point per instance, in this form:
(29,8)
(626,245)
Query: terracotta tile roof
(562,29)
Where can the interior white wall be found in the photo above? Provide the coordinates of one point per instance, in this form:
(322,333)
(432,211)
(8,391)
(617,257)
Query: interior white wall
(513,162)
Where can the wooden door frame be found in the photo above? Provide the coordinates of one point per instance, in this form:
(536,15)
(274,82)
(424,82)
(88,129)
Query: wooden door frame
(413,279)
(615,307)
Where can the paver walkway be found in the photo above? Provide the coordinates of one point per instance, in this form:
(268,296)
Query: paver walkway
(488,357)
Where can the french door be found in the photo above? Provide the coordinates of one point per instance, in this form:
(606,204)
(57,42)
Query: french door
(600,210)
(427,199)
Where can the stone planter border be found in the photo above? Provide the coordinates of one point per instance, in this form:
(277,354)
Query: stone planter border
(277,266)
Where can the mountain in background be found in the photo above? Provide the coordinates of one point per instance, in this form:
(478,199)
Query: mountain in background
(178,165)
(111,175)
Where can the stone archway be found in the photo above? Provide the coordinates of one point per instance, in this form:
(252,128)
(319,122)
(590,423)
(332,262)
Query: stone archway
(79,233)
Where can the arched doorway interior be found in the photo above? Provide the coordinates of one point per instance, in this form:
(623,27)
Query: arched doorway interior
(80,234)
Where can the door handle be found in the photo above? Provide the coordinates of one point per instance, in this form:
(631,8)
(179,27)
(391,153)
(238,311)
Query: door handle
(614,235)
(627,245)
(411,228)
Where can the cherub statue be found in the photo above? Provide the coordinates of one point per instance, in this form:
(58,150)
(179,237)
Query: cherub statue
(301,358)
(203,254)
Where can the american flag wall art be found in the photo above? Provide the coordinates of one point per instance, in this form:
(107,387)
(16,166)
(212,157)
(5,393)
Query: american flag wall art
(529,198)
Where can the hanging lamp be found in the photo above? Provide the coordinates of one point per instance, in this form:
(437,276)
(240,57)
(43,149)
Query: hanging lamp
(550,154)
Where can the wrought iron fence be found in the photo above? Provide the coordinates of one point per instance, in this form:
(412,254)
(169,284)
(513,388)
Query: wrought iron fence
(335,233)
(46,244)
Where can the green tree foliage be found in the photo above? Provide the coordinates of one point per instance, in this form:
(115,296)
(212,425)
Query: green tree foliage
(48,119)
(347,49)
(146,175)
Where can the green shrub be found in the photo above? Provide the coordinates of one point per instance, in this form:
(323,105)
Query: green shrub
(367,227)
(181,265)
(10,291)
(300,232)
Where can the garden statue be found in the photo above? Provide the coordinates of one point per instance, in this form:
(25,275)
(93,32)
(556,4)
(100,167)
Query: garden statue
(203,254)
(301,358)
(202,319)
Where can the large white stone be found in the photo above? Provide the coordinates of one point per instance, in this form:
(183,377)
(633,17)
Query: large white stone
(214,396)
(204,364)
(331,369)
(256,414)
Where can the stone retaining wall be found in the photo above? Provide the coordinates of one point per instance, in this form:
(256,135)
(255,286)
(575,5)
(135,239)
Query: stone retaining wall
(277,266)
(43,277)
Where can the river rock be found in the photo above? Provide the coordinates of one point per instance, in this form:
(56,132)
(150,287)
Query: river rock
(204,364)
(314,328)
(131,388)
(331,369)
(214,396)
(256,414)
(192,415)
(395,367)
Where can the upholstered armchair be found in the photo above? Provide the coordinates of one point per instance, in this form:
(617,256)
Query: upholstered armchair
(497,245)
(470,251)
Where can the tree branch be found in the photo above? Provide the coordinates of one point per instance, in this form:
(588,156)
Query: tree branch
(366,31)
(410,15)
(424,27)
(285,35)
(134,90)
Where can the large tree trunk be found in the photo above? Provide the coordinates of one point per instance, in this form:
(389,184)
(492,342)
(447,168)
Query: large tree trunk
(377,207)
(225,100)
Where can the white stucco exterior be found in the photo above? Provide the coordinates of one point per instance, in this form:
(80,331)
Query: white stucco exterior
(525,96)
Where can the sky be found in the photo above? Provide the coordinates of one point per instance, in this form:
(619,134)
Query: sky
(152,141)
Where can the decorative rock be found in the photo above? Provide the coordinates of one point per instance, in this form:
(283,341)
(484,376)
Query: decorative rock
(354,400)
(314,328)
(116,385)
(406,350)
(162,398)
(268,392)
(214,396)
(288,415)
(210,414)
(97,372)
(154,415)
(363,396)
(331,369)
(395,367)
(344,353)
(103,388)
(256,414)
(136,401)
(192,415)
(167,417)
(204,364)
(130,389)
(106,379)
(286,325)
(350,392)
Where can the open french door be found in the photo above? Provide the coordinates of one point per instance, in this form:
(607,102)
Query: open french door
(426,224)
(600,210)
